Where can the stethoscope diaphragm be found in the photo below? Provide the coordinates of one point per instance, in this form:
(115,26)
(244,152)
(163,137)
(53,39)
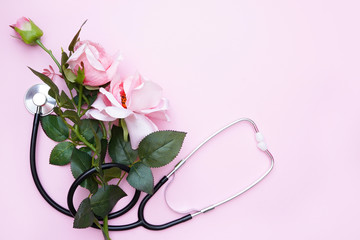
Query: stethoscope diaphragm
(37,96)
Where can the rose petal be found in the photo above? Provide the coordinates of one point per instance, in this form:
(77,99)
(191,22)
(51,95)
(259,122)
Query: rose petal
(101,102)
(76,54)
(117,112)
(94,77)
(99,115)
(160,115)
(100,54)
(93,61)
(23,23)
(116,87)
(139,126)
(113,69)
(131,83)
(159,112)
(111,98)
(146,96)
(162,106)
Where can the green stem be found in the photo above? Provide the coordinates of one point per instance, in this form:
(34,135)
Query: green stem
(97,223)
(105,228)
(80,99)
(106,236)
(76,131)
(121,178)
(83,139)
(38,42)
(72,96)
(86,100)
(103,129)
(125,130)
(98,181)
(109,133)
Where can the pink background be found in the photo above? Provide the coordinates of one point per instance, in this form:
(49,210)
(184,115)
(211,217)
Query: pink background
(291,66)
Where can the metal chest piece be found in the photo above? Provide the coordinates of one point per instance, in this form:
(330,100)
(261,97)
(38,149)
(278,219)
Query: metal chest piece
(37,96)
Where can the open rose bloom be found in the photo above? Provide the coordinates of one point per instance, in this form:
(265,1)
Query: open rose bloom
(135,100)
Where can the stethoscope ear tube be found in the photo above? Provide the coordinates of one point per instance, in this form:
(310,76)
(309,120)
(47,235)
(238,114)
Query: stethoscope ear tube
(260,144)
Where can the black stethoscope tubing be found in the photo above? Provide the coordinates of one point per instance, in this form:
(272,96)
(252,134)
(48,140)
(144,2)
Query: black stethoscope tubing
(71,211)
(141,218)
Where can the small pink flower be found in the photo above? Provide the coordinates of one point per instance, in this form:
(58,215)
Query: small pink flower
(99,66)
(27,30)
(50,73)
(134,100)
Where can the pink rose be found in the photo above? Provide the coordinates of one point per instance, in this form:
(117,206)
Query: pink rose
(27,30)
(136,101)
(99,66)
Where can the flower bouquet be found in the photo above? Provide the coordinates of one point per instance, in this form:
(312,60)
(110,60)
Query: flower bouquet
(100,111)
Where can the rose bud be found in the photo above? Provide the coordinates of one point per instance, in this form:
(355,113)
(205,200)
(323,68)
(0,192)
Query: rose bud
(27,30)
(99,66)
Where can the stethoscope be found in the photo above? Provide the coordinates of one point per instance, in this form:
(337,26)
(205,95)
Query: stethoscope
(38,102)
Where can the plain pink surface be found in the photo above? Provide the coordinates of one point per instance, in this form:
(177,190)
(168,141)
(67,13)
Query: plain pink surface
(292,66)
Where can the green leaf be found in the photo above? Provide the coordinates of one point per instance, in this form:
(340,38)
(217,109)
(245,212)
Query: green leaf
(92,88)
(81,162)
(47,81)
(104,145)
(141,178)
(61,154)
(91,96)
(64,58)
(75,39)
(58,111)
(112,173)
(65,101)
(72,115)
(104,200)
(97,140)
(119,150)
(70,85)
(76,100)
(86,150)
(86,129)
(98,146)
(69,75)
(84,216)
(80,74)
(160,148)
(52,94)
(55,128)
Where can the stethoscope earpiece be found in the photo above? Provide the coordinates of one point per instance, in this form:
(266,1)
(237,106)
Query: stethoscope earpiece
(38,96)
